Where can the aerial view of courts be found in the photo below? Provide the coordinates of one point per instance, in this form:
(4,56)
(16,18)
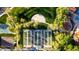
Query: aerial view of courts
(39,29)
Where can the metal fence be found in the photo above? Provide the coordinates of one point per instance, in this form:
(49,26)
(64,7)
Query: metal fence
(42,38)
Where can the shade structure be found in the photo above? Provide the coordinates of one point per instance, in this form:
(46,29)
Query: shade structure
(38,18)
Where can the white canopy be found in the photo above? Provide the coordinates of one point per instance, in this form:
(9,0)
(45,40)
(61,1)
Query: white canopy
(38,18)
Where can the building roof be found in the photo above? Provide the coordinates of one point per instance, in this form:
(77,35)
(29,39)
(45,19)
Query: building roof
(6,44)
(4,31)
